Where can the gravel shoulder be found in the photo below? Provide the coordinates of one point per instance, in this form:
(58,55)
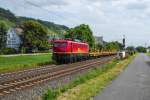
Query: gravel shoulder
(132,84)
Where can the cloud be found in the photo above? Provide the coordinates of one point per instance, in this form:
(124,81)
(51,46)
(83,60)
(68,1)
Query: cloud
(137,6)
(110,18)
(45,3)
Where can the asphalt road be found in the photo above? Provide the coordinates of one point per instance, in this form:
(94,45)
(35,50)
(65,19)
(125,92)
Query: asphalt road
(132,84)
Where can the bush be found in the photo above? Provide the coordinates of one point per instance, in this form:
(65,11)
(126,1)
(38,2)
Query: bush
(29,50)
(8,51)
(141,49)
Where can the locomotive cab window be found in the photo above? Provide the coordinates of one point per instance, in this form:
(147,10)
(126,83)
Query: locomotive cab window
(60,44)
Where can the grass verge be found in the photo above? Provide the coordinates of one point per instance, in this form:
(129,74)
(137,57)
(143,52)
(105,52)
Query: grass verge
(88,85)
(148,54)
(14,63)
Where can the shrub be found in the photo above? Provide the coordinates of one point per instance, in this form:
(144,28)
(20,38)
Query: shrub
(8,51)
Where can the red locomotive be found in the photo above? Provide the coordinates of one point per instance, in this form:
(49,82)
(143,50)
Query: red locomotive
(65,51)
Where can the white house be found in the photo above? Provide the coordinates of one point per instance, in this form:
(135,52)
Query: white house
(99,39)
(148,49)
(13,38)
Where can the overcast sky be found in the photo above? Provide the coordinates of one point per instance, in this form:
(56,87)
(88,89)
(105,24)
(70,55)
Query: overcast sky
(108,18)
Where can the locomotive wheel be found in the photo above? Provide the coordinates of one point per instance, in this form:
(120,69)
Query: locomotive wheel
(71,59)
(67,59)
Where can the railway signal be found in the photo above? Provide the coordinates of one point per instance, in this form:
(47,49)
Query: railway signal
(124,42)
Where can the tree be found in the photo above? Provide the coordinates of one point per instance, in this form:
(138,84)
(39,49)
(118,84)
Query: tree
(82,33)
(35,36)
(113,46)
(141,49)
(130,48)
(3,34)
(99,46)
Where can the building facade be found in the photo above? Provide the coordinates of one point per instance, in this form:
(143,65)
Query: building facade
(13,39)
(99,40)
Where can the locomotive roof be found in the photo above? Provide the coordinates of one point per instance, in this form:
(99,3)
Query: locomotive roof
(69,41)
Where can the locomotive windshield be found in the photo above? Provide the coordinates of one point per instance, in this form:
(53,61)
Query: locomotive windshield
(60,44)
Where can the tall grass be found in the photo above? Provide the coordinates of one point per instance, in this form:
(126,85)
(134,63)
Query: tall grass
(23,62)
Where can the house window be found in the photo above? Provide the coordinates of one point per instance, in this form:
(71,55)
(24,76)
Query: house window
(13,39)
(8,35)
(14,42)
(13,35)
(9,42)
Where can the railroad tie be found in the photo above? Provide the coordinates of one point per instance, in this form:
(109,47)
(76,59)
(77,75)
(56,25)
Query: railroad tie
(28,85)
(23,86)
(7,92)
(17,88)
(13,90)
(1,94)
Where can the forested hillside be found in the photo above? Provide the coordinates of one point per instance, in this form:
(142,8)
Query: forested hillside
(13,20)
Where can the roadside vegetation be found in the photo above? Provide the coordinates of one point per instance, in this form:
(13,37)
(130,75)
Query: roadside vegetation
(15,63)
(141,49)
(148,54)
(88,85)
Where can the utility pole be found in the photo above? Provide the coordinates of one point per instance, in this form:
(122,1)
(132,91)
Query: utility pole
(145,45)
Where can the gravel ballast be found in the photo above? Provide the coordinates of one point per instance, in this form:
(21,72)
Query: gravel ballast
(36,92)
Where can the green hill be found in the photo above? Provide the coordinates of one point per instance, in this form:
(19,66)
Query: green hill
(7,15)
(13,20)
(55,28)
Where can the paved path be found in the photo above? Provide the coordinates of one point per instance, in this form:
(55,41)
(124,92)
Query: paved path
(132,84)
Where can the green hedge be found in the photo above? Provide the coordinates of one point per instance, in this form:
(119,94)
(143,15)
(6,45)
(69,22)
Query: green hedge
(8,51)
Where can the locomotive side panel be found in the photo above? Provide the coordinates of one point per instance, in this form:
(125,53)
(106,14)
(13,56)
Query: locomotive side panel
(80,47)
(80,51)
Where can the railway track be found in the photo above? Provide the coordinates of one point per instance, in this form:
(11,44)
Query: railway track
(12,82)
